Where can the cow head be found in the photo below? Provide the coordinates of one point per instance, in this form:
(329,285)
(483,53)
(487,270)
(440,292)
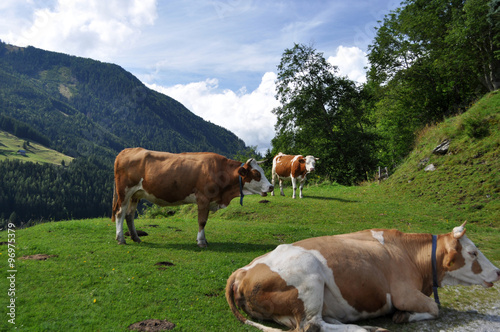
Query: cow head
(253,178)
(464,264)
(310,162)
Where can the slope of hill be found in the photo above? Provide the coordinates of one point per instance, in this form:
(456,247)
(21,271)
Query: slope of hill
(11,145)
(86,107)
(466,175)
(89,111)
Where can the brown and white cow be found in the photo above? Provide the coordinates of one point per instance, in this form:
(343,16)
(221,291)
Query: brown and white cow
(293,167)
(207,179)
(319,284)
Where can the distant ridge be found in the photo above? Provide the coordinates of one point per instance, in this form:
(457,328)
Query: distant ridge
(86,107)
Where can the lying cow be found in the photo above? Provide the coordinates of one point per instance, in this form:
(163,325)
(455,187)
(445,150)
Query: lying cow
(207,179)
(319,283)
(294,167)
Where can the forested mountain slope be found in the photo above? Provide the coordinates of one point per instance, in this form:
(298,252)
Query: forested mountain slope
(90,111)
(86,107)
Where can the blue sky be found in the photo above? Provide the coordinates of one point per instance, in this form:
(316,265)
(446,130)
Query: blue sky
(217,57)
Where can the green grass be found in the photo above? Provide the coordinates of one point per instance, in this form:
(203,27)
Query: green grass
(468,176)
(36,153)
(96,285)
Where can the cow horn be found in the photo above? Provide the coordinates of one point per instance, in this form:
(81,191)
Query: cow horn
(458,232)
(261,162)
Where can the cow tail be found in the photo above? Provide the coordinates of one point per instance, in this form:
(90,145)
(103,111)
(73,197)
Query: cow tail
(230,298)
(115,201)
(230,288)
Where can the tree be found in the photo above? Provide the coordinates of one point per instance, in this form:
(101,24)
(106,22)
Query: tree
(430,60)
(323,115)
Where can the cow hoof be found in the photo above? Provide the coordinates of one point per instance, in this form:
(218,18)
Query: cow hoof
(401,317)
(122,242)
(203,244)
(138,240)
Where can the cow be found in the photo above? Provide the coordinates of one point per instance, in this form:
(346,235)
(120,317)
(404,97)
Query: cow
(207,179)
(294,167)
(322,283)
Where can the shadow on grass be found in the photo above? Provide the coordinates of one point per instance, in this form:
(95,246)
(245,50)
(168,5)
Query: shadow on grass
(331,199)
(448,319)
(212,246)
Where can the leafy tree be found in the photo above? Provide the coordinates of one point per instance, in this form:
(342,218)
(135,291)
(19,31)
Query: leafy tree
(322,114)
(429,60)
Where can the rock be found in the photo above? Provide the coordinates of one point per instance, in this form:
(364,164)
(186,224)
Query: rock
(422,162)
(442,148)
(430,168)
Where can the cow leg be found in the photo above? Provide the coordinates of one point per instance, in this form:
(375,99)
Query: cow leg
(281,188)
(294,187)
(203,210)
(130,221)
(414,306)
(301,185)
(119,217)
(273,178)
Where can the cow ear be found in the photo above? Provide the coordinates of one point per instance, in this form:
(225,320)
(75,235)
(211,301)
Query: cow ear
(302,161)
(242,171)
(458,232)
(449,260)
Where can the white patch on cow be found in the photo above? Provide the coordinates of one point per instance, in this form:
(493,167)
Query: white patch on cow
(200,238)
(465,276)
(379,236)
(308,272)
(257,187)
(310,163)
(418,316)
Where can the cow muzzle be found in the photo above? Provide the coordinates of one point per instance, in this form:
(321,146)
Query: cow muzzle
(488,284)
(270,189)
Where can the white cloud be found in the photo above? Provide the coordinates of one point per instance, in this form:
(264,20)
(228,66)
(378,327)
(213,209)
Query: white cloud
(351,62)
(93,28)
(248,115)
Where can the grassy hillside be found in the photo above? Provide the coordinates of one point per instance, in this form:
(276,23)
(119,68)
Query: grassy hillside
(467,178)
(10,145)
(92,284)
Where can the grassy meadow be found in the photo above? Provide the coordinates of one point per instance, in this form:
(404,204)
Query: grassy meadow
(93,284)
(36,153)
(90,283)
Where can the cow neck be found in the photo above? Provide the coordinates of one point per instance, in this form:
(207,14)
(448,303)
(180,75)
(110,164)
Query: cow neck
(435,284)
(240,180)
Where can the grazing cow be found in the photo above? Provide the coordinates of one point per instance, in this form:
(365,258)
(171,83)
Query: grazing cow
(294,167)
(207,179)
(320,283)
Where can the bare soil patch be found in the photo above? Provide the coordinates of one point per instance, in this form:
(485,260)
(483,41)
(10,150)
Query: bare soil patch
(152,325)
(38,257)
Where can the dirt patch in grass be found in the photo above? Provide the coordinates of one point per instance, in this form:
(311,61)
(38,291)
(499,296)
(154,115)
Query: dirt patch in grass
(38,257)
(163,264)
(152,325)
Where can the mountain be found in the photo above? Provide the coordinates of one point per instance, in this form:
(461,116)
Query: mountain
(86,107)
(88,111)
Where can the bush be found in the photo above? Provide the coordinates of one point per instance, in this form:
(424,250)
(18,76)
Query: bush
(476,127)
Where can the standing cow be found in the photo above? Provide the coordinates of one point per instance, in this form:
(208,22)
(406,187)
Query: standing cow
(207,179)
(320,283)
(294,167)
